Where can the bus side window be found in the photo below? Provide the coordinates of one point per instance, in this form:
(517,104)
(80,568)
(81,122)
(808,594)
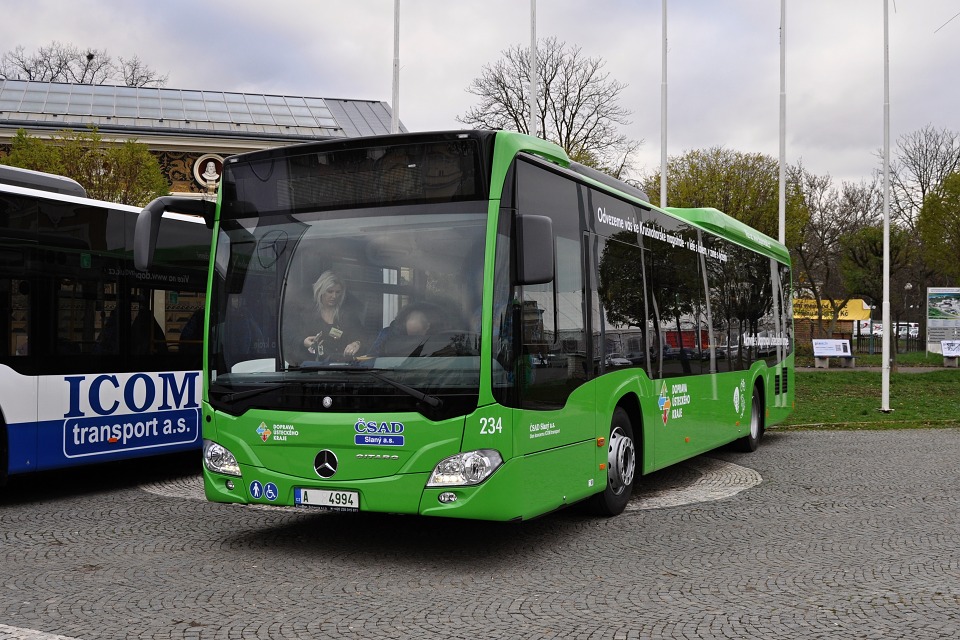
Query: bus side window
(15,316)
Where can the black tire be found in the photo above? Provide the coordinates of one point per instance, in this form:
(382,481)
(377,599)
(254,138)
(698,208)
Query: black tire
(621,467)
(4,453)
(751,441)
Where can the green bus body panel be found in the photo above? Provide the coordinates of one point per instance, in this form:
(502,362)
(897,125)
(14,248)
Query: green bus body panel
(506,148)
(277,440)
(524,487)
(702,414)
(394,494)
(397,486)
(780,407)
(557,459)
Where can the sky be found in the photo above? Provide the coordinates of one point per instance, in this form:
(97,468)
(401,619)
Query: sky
(723,61)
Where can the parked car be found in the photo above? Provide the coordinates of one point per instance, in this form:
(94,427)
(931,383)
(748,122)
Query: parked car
(617,360)
(675,353)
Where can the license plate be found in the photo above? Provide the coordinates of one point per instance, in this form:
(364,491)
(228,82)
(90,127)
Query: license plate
(326,499)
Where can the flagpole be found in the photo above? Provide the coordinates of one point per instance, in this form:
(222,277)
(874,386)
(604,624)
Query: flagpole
(395,116)
(532,95)
(782,225)
(885,375)
(663,112)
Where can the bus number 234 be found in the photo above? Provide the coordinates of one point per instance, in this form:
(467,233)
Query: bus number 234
(490,426)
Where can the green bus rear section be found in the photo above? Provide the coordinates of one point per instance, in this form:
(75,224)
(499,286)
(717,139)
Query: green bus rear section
(551,458)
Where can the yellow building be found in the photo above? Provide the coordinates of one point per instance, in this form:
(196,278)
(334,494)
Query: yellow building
(808,325)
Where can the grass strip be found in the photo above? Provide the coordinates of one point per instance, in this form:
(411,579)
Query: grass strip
(852,399)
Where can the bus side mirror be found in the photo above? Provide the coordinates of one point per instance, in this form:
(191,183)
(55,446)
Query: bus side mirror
(148,224)
(535,262)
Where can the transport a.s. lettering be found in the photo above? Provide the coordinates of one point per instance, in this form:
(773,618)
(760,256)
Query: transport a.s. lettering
(111,412)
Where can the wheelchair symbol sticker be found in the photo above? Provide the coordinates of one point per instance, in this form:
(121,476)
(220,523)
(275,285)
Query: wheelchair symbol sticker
(270,491)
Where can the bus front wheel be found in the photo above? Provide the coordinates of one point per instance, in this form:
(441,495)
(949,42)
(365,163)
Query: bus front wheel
(621,467)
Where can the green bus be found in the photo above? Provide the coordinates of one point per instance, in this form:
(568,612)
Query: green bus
(469,324)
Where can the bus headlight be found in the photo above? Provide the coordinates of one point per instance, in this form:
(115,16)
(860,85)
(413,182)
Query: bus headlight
(469,468)
(218,459)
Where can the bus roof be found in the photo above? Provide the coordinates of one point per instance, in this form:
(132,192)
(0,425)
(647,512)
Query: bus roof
(89,202)
(509,143)
(40,180)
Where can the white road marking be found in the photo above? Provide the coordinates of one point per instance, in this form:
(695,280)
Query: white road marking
(16,633)
(716,479)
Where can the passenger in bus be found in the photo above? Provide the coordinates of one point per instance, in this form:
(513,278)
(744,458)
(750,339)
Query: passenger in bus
(241,334)
(146,335)
(333,331)
(393,340)
(417,323)
(191,336)
(108,340)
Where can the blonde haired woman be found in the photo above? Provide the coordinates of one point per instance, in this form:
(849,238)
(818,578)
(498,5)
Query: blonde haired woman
(335,331)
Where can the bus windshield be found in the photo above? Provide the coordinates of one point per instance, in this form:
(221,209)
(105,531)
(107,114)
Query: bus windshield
(339,307)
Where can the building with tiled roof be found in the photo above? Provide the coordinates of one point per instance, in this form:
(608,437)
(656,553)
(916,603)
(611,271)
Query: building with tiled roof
(186,129)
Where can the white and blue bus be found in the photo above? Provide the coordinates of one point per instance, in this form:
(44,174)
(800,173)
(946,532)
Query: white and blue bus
(98,361)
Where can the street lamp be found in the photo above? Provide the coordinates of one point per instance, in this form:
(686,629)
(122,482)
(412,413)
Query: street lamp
(907,307)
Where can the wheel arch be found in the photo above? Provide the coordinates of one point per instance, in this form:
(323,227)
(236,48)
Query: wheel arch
(630,403)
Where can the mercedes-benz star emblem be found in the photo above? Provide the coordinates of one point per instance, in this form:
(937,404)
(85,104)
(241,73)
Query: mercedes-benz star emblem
(325,464)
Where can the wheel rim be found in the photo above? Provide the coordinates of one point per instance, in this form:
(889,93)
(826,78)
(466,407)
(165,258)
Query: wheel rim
(621,461)
(755,417)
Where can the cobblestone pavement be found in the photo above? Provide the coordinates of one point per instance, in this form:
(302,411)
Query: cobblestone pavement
(829,535)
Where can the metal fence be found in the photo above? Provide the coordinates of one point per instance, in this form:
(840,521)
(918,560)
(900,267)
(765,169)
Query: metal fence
(874,344)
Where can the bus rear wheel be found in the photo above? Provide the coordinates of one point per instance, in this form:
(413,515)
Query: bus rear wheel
(751,441)
(621,467)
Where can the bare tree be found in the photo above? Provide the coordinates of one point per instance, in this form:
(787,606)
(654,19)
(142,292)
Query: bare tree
(137,74)
(833,215)
(58,62)
(923,160)
(921,168)
(92,67)
(577,103)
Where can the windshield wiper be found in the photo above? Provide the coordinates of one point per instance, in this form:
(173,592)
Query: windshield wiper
(249,393)
(433,401)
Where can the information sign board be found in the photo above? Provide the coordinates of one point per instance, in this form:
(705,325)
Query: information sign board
(823,348)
